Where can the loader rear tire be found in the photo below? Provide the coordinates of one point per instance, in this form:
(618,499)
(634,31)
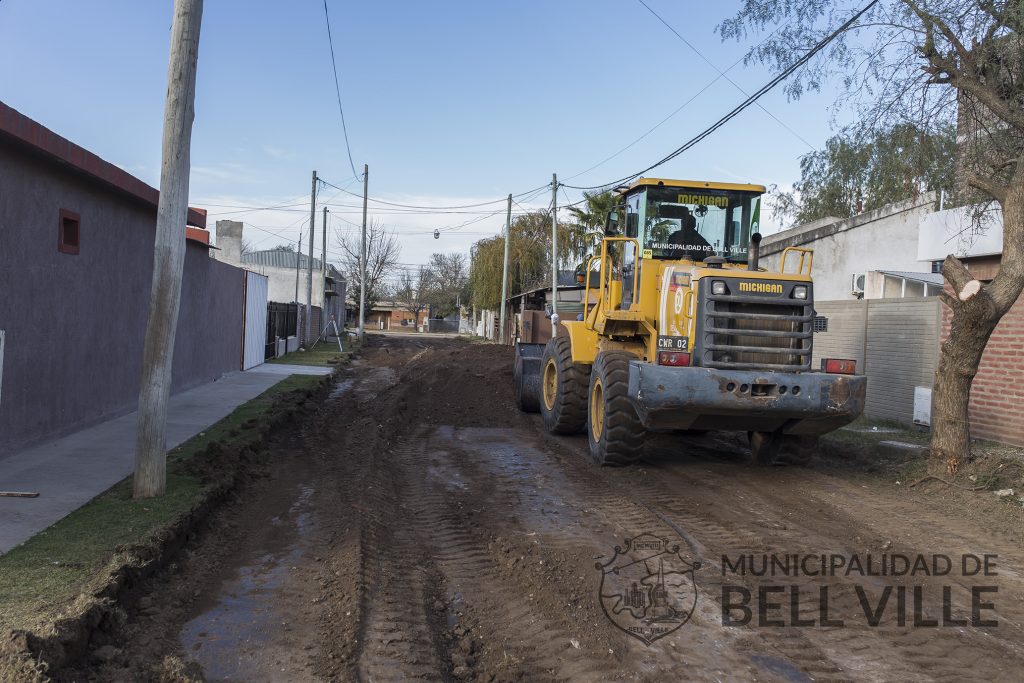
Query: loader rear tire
(563,389)
(614,430)
(526,386)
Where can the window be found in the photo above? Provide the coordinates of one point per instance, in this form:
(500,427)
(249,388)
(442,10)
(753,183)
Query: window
(697,223)
(68,232)
(820,323)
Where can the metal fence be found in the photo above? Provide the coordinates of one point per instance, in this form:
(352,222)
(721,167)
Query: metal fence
(282,322)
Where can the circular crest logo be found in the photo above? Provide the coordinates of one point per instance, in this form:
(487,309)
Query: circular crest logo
(647,589)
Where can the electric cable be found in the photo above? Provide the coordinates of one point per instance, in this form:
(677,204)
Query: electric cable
(788,71)
(337,90)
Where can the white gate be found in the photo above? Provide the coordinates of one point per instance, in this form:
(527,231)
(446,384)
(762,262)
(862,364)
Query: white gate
(254,340)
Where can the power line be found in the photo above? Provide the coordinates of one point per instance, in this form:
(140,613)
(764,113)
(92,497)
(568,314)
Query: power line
(337,90)
(678,109)
(786,73)
(722,73)
(437,209)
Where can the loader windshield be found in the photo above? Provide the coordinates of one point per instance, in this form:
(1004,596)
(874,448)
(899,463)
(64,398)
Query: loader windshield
(680,222)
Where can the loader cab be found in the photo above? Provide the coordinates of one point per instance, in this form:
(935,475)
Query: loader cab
(691,220)
(679,220)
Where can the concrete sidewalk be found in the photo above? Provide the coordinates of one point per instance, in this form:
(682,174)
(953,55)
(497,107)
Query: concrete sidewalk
(73,470)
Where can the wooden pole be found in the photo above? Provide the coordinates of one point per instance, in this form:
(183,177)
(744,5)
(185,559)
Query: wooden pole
(362,258)
(504,271)
(554,254)
(168,252)
(309,269)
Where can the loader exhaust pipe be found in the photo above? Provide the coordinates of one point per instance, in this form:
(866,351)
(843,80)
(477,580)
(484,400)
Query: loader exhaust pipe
(755,251)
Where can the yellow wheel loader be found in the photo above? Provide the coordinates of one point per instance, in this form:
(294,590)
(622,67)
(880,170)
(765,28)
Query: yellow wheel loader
(683,330)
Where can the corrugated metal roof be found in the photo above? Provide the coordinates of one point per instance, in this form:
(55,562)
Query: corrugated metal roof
(282,258)
(930,278)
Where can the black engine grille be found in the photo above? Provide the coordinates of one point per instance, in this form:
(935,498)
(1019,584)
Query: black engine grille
(757,332)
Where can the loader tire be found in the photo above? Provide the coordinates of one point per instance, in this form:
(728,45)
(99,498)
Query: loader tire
(526,390)
(614,430)
(563,389)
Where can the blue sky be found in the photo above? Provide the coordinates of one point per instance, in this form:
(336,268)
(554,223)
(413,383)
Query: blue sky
(449,102)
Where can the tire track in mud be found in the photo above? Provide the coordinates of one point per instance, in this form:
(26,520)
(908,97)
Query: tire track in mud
(866,653)
(456,541)
(907,651)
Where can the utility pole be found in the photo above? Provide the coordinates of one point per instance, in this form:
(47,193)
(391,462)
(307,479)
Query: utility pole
(309,284)
(323,250)
(150,478)
(323,274)
(362,258)
(504,272)
(554,254)
(298,261)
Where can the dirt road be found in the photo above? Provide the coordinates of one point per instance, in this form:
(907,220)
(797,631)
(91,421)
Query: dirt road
(420,528)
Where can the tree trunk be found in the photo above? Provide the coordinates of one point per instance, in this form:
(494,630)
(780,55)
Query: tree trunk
(977,309)
(970,329)
(168,253)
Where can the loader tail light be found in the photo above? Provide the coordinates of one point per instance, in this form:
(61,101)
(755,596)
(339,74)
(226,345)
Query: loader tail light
(839,366)
(673,358)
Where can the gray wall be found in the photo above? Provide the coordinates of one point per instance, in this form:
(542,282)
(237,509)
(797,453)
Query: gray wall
(75,323)
(895,343)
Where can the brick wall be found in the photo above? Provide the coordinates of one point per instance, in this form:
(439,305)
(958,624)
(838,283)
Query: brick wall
(397,316)
(997,395)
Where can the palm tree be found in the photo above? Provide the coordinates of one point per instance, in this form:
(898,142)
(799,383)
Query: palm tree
(588,228)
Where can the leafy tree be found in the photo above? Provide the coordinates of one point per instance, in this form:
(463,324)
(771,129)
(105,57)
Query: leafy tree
(382,254)
(865,170)
(585,233)
(529,260)
(922,62)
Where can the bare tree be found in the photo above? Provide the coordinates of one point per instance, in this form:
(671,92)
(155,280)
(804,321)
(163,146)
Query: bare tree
(382,254)
(447,280)
(931,63)
(410,293)
(168,252)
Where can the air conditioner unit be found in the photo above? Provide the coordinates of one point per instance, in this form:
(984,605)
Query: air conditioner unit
(857,283)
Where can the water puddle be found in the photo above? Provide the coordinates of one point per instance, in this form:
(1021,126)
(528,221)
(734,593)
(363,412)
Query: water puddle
(542,496)
(229,639)
(341,388)
(780,667)
(454,609)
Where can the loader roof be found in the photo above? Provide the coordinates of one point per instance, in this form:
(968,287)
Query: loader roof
(693,184)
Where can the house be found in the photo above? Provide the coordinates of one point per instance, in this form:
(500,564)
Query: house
(872,255)
(288,275)
(876,284)
(391,315)
(76,265)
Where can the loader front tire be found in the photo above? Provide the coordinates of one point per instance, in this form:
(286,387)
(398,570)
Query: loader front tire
(563,389)
(614,430)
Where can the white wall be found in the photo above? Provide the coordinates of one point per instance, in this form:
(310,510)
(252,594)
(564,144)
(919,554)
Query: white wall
(885,239)
(955,231)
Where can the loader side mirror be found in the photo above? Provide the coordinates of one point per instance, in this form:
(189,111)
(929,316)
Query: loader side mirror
(611,223)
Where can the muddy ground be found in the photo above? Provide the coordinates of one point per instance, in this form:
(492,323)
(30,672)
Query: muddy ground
(420,528)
